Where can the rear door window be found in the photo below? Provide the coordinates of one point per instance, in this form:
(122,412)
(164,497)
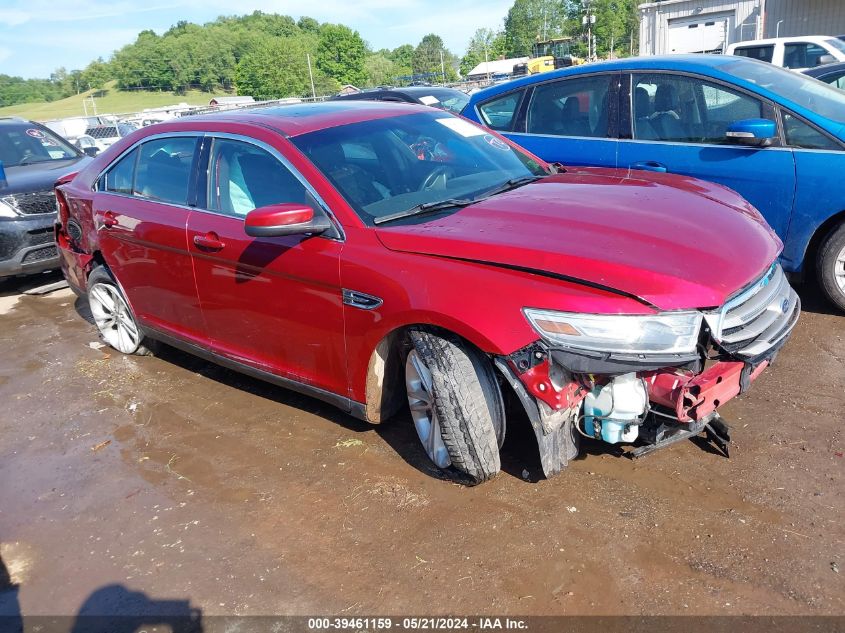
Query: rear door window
(500,113)
(571,107)
(163,171)
(763,53)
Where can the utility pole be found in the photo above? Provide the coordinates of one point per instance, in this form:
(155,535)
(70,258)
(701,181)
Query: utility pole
(588,20)
(311,75)
(442,66)
(486,63)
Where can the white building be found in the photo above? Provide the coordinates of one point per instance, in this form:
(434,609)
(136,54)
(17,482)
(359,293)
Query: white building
(495,67)
(708,26)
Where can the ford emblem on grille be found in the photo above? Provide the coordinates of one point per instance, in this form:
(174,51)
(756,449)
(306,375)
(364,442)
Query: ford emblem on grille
(784,306)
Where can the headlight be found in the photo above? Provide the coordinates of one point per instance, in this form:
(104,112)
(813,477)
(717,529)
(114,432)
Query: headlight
(7,210)
(667,333)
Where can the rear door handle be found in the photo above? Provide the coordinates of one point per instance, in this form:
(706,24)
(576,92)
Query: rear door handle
(209,242)
(650,165)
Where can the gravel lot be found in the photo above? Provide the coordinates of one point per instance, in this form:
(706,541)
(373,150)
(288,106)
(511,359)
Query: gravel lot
(173,477)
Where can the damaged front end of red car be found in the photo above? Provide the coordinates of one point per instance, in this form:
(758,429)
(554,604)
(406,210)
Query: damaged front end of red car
(654,398)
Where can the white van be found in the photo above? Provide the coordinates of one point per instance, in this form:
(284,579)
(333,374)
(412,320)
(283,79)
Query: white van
(795,53)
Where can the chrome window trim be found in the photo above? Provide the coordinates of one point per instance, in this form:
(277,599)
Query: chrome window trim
(586,138)
(708,145)
(138,143)
(212,135)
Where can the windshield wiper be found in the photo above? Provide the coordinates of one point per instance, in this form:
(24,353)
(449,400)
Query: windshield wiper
(425,207)
(513,183)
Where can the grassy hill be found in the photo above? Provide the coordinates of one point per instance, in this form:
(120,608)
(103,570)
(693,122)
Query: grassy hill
(113,102)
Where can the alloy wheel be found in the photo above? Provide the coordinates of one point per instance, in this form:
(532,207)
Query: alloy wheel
(421,402)
(839,270)
(113,318)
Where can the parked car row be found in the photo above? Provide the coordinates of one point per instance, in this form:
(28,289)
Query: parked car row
(32,158)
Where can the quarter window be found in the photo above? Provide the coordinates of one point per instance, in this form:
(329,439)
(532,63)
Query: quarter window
(243,177)
(499,114)
(164,169)
(571,107)
(799,134)
(119,178)
(686,109)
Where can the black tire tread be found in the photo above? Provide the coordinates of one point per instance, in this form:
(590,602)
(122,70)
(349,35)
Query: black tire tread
(826,260)
(466,397)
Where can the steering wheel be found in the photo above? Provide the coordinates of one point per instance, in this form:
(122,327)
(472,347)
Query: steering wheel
(440,172)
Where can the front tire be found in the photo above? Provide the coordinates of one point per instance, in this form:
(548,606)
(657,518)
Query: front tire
(456,405)
(830,265)
(112,316)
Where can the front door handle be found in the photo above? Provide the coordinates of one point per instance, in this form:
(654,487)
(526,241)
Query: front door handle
(209,242)
(109,219)
(650,165)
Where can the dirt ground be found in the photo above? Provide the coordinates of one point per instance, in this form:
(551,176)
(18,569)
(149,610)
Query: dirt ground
(199,487)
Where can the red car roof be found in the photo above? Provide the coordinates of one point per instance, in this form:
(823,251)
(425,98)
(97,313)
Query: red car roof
(302,118)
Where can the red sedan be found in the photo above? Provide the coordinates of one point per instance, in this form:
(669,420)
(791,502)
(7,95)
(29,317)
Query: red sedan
(378,256)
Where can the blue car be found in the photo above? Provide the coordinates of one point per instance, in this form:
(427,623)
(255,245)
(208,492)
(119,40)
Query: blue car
(774,136)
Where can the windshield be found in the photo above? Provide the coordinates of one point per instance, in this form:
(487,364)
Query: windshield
(26,144)
(836,43)
(805,91)
(452,100)
(386,166)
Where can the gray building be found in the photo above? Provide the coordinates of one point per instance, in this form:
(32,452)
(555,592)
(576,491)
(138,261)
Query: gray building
(699,26)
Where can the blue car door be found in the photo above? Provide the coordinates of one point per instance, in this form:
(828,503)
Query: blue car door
(677,123)
(820,194)
(571,120)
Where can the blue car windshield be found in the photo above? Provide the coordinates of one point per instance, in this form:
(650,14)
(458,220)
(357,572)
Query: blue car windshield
(394,164)
(802,90)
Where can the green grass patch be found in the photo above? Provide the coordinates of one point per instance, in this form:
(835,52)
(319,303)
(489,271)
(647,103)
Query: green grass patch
(113,101)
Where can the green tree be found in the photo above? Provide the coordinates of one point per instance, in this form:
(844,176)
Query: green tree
(528,21)
(278,68)
(403,57)
(94,75)
(484,44)
(308,25)
(341,53)
(380,70)
(427,59)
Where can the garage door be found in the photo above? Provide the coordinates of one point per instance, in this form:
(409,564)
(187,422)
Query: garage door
(702,35)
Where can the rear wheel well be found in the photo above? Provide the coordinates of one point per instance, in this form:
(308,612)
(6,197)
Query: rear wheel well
(827,227)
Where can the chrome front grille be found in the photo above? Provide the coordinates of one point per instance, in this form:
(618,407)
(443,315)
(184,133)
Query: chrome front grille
(758,318)
(39,202)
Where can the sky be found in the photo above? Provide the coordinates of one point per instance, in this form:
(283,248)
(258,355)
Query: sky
(38,36)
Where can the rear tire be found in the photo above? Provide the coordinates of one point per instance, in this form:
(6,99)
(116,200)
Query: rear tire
(112,316)
(830,266)
(456,404)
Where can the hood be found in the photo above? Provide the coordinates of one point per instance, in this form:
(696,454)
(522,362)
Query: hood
(40,176)
(675,243)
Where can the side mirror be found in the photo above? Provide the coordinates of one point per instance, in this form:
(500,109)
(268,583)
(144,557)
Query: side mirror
(756,132)
(91,151)
(826,59)
(283,219)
